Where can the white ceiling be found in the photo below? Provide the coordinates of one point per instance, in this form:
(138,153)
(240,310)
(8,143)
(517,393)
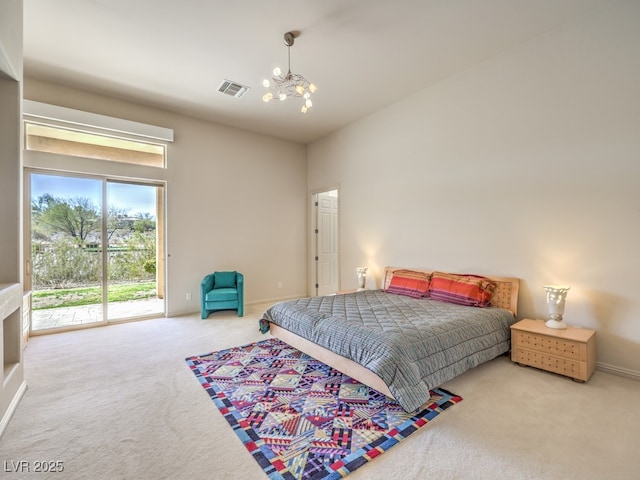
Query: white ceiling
(362,54)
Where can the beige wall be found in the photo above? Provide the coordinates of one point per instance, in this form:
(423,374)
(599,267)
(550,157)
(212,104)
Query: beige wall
(235,200)
(11,38)
(527,165)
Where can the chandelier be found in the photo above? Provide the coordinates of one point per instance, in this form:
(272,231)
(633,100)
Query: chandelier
(289,84)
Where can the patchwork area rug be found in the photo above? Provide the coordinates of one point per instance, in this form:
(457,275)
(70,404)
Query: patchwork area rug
(300,418)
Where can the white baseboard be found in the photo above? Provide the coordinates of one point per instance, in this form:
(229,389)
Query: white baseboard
(276,300)
(12,407)
(615,370)
(269,301)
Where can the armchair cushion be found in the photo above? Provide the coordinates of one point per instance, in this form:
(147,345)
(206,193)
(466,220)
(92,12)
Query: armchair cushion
(224,280)
(221,295)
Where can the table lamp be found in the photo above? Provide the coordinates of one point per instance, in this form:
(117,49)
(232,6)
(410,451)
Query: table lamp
(556,296)
(362,277)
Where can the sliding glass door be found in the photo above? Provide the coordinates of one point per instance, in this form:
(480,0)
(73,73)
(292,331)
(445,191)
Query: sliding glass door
(66,246)
(94,251)
(132,256)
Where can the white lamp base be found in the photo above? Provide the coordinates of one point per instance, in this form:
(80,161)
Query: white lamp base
(556,324)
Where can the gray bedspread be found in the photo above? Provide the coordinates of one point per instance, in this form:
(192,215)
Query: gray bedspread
(413,345)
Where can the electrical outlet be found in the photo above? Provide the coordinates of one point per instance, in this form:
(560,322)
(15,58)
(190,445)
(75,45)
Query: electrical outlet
(279,284)
(189,296)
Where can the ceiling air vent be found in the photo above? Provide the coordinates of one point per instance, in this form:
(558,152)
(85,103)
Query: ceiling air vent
(232,88)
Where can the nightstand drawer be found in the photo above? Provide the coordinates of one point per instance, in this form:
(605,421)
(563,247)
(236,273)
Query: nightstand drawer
(550,363)
(549,345)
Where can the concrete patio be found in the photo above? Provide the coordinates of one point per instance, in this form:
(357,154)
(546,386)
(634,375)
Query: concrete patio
(74,316)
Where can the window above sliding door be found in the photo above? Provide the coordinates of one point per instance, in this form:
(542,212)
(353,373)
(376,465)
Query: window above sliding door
(54,139)
(76,133)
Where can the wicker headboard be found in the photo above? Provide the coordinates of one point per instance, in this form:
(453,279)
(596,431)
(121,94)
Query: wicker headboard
(505,295)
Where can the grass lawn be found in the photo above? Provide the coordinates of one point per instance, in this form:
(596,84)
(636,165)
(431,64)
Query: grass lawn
(74,297)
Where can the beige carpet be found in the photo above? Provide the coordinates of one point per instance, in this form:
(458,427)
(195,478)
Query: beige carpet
(120,403)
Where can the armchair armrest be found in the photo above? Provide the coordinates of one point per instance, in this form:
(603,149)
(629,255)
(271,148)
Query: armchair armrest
(207,284)
(240,287)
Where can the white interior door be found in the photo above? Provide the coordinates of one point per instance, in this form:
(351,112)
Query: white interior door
(327,281)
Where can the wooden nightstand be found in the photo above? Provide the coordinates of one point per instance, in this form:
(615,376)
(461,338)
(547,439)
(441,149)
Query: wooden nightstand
(570,352)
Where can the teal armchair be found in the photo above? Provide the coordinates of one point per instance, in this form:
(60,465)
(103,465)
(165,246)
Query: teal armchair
(222,291)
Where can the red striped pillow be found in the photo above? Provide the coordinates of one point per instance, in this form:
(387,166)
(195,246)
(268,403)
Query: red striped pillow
(466,289)
(408,282)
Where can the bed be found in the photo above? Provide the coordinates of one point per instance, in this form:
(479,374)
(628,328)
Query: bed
(395,341)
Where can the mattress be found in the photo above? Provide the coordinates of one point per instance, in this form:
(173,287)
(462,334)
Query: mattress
(413,345)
